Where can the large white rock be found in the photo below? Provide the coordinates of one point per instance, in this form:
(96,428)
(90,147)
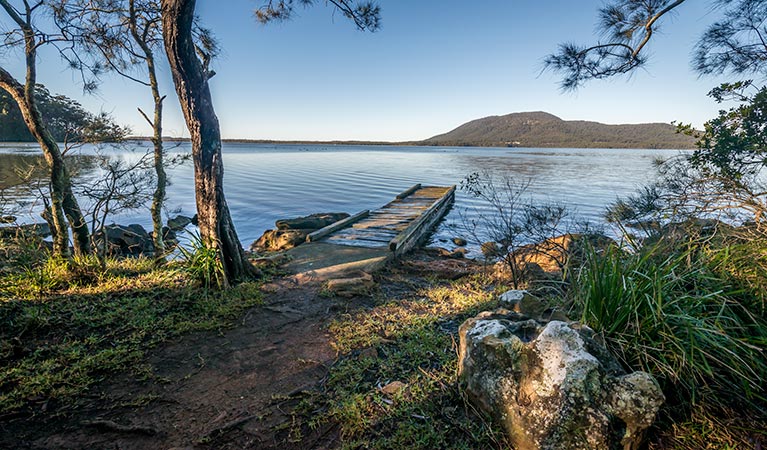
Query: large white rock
(552,386)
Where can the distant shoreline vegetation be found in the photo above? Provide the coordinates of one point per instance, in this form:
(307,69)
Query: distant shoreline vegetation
(597,145)
(527,130)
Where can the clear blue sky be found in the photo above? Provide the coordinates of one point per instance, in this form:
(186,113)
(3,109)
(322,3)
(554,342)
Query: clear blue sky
(432,66)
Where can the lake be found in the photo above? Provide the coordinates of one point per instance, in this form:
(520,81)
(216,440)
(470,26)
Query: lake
(266,182)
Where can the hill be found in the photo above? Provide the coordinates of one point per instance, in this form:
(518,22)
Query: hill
(541,129)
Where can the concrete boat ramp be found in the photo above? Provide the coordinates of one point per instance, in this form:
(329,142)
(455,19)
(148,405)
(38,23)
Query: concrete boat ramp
(367,240)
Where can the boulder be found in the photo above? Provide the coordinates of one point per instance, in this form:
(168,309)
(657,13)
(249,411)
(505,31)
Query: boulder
(356,284)
(131,240)
(277,240)
(459,241)
(490,249)
(28,229)
(552,385)
(552,255)
(311,222)
(179,222)
(293,232)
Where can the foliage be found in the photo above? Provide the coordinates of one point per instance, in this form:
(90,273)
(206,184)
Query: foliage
(516,227)
(366,15)
(734,144)
(202,263)
(734,44)
(65,118)
(54,347)
(723,178)
(123,185)
(672,314)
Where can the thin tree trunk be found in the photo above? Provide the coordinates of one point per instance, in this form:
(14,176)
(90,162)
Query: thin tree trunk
(58,173)
(191,82)
(158,198)
(63,201)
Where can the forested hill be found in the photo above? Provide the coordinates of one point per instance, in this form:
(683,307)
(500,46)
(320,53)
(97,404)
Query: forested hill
(540,129)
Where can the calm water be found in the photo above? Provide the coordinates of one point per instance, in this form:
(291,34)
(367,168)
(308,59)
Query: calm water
(264,183)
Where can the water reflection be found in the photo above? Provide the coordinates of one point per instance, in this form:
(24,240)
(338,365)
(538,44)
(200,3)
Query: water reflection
(266,182)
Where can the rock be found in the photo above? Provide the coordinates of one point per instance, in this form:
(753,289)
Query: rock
(169,236)
(490,250)
(553,386)
(523,302)
(278,240)
(461,242)
(393,387)
(293,232)
(359,284)
(311,222)
(527,271)
(34,229)
(553,255)
(131,240)
(458,253)
(179,222)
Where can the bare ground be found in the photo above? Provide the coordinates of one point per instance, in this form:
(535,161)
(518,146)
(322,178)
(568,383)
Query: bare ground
(233,390)
(206,385)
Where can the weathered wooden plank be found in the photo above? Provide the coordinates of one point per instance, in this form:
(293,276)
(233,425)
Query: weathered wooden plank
(409,191)
(322,232)
(356,242)
(413,233)
(397,226)
(396,215)
(367,233)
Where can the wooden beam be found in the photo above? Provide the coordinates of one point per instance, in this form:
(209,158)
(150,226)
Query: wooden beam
(409,191)
(343,223)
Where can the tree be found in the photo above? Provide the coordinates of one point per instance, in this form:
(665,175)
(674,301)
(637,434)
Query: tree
(735,44)
(103,26)
(64,205)
(725,172)
(191,73)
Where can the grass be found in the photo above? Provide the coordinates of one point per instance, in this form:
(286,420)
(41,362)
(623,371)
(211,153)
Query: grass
(685,316)
(411,340)
(67,325)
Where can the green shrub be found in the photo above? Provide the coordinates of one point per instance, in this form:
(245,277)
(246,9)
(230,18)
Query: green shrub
(203,262)
(672,316)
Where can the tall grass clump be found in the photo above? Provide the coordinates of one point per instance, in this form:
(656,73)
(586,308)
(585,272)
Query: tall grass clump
(669,314)
(202,262)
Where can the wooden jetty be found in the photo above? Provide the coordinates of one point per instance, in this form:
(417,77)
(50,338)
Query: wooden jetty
(366,240)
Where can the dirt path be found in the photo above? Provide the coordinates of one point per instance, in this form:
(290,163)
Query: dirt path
(230,390)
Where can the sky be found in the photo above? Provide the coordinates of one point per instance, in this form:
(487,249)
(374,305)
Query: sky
(432,66)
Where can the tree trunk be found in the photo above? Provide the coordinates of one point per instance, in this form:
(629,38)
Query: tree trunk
(63,201)
(191,82)
(58,172)
(158,198)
